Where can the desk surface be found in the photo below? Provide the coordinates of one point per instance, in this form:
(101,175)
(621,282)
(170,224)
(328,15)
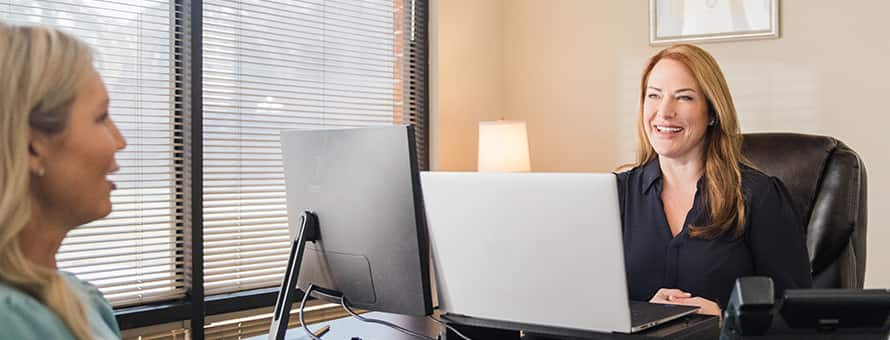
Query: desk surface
(349,327)
(693,326)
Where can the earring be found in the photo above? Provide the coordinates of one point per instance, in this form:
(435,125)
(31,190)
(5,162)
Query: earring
(712,122)
(40,172)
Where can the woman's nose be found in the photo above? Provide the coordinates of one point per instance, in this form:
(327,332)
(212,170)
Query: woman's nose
(119,137)
(666,108)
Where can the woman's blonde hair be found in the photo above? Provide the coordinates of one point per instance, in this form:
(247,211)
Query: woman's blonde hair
(722,192)
(41,72)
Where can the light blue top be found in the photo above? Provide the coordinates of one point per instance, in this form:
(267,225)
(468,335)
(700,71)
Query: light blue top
(23,317)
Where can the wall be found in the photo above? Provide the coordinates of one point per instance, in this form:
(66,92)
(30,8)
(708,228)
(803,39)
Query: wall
(571,69)
(466,78)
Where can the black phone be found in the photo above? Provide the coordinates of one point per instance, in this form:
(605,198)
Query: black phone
(828,309)
(752,312)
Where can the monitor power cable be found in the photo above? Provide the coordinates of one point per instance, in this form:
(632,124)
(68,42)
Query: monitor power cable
(450,328)
(303,305)
(345,305)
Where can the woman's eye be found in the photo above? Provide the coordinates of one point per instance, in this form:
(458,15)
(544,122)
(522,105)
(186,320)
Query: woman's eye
(685,98)
(103,117)
(652,96)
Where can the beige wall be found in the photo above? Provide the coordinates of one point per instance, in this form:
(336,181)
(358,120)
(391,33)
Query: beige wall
(466,77)
(571,69)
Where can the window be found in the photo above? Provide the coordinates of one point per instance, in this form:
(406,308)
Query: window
(262,66)
(270,66)
(135,254)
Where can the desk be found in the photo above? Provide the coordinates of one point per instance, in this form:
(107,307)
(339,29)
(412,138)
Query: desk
(348,327)
(690,327)
(781,331)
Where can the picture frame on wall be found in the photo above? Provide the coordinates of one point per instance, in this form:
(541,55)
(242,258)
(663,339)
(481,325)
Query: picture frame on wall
(702,21)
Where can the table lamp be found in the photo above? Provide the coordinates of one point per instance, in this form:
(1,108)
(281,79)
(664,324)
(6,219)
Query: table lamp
(503,147)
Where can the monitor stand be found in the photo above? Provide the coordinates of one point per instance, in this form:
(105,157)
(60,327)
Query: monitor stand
(287,295)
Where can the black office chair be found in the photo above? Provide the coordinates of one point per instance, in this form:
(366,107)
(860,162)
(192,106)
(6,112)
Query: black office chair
(827,183)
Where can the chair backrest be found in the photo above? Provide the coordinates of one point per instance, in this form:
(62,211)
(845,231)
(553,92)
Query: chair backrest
(827,183)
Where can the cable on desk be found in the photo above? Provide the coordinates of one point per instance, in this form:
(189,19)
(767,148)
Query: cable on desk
(302,305)
(450,328)
(385,323)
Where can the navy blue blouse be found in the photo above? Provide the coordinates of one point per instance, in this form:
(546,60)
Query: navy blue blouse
(773,243)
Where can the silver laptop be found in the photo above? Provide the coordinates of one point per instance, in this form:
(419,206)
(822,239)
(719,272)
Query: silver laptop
(533,248)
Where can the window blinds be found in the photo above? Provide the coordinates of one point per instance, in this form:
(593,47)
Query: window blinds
(270,66)
(267,66)
(135,254)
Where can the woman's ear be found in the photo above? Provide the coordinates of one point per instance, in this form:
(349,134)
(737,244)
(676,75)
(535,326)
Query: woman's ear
(38,149)
(712,116)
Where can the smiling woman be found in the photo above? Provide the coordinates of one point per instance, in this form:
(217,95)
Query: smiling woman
(696,215)
(59,146)
(687,115)
(676,117)
(75,161)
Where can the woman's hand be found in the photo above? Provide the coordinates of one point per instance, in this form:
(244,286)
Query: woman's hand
(679,297)
(668,295)
(706,306)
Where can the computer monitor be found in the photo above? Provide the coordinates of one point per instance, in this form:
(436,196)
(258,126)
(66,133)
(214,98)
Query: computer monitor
(365,235)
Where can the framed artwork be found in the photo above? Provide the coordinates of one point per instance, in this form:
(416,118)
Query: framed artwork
(698,21)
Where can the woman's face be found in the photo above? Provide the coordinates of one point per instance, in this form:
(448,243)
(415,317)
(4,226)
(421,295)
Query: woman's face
(74,188)
(675,112)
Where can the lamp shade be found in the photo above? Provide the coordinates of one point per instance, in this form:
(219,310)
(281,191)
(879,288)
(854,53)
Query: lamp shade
(503,147)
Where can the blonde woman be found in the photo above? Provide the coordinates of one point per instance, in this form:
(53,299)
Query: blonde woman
(58,146)
(696,215)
